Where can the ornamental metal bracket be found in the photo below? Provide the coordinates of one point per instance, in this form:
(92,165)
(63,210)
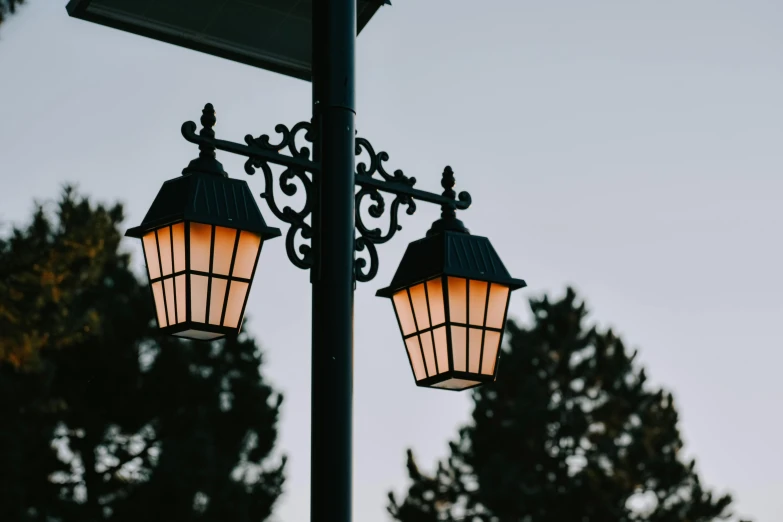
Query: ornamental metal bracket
(371,179)
(401,186)
(260,153)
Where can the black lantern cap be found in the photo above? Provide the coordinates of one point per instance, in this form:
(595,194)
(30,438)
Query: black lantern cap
(205,198)
(449,249)
(205,194)
(450,253)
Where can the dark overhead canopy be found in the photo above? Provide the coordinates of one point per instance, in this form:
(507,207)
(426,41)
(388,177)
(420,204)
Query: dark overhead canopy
(271,34)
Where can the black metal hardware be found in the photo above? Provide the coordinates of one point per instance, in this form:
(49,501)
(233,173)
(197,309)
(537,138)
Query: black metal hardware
(371,178)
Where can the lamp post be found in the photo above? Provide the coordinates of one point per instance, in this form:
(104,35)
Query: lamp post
(204,232)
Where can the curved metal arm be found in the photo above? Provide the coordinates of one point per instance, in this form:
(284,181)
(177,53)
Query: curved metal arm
(271,155)
(371,178)
(402,187)
(261,153)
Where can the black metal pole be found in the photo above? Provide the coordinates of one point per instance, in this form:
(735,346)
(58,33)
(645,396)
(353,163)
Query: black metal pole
(334,36)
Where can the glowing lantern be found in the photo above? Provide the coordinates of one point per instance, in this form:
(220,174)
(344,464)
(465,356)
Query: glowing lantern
(451,293)
(202,238)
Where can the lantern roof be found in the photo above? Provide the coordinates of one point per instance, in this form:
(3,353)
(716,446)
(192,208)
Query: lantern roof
(205,198)
(450,253)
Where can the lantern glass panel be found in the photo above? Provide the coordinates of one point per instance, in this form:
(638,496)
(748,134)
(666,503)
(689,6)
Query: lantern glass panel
(455,384)
(223,252)
(160,306)
(419,300)
(478,302)
(414,352)
(496,309)
(435,300)
(441,348)
(402,306)
(171,307)
(475,338)
(200,246)
(150,244)
(182,297)
(217,297)
(178,242)
(198,298)
(458,294)
(236,300)
(164,247)
(491,345)
(458,348)
(429,353)
(198,335)
(247,252)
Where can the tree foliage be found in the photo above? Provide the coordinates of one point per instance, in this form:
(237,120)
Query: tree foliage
(101,418)
(8,7)
(570,431)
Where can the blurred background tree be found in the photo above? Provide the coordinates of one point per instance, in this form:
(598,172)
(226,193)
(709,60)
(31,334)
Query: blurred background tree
(102,419)
(572,432)
(8,7)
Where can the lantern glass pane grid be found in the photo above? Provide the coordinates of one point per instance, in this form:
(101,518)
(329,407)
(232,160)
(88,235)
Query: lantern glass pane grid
(454,326)
(200,276)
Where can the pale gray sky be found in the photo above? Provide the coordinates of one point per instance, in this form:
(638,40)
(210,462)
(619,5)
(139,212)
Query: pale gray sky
(633,149)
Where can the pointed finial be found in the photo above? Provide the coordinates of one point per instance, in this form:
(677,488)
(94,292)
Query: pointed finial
(208,120)
(206,162)
(447,182)
(448,210)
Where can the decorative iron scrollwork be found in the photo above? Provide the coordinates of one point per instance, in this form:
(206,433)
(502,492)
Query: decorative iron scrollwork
(371,178)
(288,140)
(260,153)
(401,186)
(376,164)
(301,257)
(370,237)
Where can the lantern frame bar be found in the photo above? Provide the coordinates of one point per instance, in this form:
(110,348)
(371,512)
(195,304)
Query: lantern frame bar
(467,321)
(188,286)
(418,339)
(447,313)
(484,329)
(453,374)
(152,293)
(163,289)
(399,324)
(201,273)
(237,233)
(211,271)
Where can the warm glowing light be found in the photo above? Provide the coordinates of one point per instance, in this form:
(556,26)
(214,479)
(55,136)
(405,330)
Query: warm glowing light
(247,252)
(200,276)
(452,324)
(223,252)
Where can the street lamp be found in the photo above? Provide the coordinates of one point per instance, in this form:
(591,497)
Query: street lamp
(312,40)
(450,294)
(202,237)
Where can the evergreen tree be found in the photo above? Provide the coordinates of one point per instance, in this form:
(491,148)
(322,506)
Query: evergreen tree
(102,419)
(570,432)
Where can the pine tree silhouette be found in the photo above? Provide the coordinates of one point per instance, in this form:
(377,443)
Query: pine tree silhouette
(102,419)
(570,432)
